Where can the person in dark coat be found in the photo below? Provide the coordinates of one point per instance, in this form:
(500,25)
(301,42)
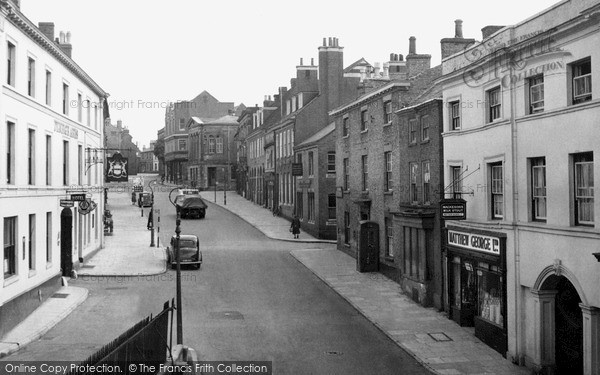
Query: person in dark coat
(295,227)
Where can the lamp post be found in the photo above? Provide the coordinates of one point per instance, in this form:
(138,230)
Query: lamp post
(151,214)
(178,277)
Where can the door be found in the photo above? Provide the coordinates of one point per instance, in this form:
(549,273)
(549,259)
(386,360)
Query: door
(569,329)
(212,176)
(66,241)
(368,247)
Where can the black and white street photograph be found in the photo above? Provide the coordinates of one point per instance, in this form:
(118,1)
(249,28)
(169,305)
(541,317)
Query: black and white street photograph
(313,188)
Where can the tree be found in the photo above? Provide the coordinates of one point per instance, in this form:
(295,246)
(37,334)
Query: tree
(159,149)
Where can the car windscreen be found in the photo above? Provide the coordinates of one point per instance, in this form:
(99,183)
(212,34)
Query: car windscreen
(187,243)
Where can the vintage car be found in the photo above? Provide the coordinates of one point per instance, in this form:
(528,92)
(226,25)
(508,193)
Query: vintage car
(145,200)
(190,253)
(108,222)
(191,206)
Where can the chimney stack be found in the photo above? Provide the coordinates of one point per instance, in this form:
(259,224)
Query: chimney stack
(330,68)
(47,28)
(458,29)
(416,63)
(64,43)
(487,31)
(396,67)
(412,45)
(451,46)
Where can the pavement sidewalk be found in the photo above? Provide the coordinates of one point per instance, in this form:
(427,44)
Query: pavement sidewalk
(275,227)
(50,313)
(428,335)
(127,250)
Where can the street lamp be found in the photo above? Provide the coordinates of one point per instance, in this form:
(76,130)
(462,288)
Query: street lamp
(151,214)
(178,277)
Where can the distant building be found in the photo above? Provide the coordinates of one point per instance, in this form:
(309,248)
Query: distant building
(211,154)
(118,139)
(177,116)
(148,161)
(51,139)
(160,140)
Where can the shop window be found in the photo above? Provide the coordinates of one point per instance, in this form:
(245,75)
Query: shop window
(584,188)
(538,189)
(489,282)
(456,287)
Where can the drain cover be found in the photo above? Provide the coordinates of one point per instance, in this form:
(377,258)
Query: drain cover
(59,295)
(440,336)
(231,315)
(333,352)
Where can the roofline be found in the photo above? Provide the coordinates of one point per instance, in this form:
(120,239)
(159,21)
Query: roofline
(18,19)
(368,96)
(419,105)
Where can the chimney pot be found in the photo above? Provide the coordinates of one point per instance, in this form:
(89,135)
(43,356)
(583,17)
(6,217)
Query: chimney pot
(400,57)
(324,42)
(312,61)
(412,45)
(330,41)
(391,57)
(301,61)
(68,39)
(61,37)
(458,32)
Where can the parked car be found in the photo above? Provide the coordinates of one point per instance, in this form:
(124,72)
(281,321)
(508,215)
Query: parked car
(190,253)
(108,222)
(192,207)
(145,200)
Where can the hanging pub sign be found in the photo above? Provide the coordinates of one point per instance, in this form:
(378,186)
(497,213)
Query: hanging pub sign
(453,209)
(87,206)
(117,168)
(297,169)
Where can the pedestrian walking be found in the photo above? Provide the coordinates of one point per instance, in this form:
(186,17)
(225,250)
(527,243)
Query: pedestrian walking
(295,227)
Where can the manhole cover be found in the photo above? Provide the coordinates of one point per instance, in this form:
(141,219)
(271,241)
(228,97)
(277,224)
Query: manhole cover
(440,336)
(231,315)
(59,295)
(333,352)
(87,266)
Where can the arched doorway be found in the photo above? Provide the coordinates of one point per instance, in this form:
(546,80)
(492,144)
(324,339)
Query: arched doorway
(568,325)
(66,241)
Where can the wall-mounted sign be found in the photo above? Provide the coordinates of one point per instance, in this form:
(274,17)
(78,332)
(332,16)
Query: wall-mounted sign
(297,169)
(87,206)
(66,130)
(78,197)
(476,242)
(117,168)
(66,203)
(304,184)
(453,209)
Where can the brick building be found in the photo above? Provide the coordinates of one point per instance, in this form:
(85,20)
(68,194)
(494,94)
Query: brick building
(372,167)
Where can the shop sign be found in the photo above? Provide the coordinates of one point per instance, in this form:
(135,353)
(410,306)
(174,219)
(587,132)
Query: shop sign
(476,242)
(66,203)
(453,209)
(297,169)
(304,184)
(66,130)
(78,197)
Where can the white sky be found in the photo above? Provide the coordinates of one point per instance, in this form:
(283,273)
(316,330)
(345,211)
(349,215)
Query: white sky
(149,51)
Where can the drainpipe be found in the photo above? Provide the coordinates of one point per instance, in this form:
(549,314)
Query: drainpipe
(515,219)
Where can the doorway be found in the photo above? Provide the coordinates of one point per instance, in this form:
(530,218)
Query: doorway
(66,241)
(569,329)
(212,176)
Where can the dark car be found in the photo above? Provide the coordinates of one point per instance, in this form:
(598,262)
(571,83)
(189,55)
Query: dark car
(145,200)
(191,206)
(189,250)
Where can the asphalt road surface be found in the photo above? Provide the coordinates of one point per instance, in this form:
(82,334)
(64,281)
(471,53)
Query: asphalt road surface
(251,300)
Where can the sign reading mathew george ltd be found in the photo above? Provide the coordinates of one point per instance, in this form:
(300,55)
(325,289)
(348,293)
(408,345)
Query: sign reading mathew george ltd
(472,241)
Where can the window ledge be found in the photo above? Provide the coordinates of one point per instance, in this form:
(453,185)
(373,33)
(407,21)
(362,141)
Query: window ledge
(425,141)
(32,273)
(346,136)
(387,124)
(388,192)
(11,280)
(364,131)
(388,259)
(48,265)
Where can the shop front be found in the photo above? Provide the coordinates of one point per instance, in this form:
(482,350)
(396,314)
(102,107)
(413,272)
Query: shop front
(476,262)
